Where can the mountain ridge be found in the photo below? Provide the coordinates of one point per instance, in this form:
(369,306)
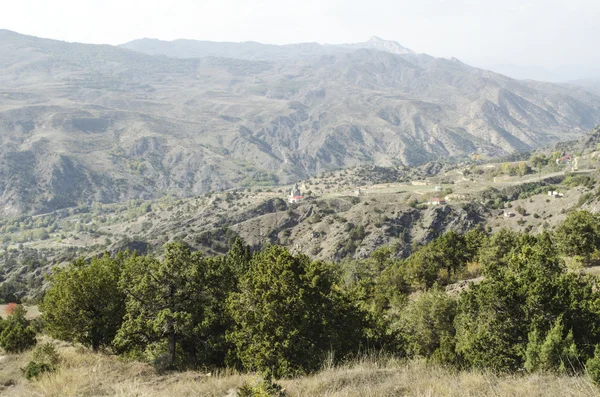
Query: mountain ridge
(377,43)
(83,123)
(252,50)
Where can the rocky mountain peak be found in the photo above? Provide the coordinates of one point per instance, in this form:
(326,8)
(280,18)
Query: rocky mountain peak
(388,46)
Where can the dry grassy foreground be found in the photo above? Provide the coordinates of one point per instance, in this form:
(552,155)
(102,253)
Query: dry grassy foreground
(84,373)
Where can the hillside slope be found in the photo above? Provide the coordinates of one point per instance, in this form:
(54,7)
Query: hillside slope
(82,123)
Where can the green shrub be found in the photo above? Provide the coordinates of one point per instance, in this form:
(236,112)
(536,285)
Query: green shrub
(427,321)
(297,316)
(527,286)
(16,333)
(579,180)
(579,234)
(16,338)
(84,303)
(556,353)
(33,369)
(46,353)
(593,366)
(170,303)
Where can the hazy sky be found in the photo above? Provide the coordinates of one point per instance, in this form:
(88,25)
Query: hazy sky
(536,32)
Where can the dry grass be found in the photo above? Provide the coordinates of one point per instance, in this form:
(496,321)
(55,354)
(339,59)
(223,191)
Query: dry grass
(416,378)
(32,311)
(84,373)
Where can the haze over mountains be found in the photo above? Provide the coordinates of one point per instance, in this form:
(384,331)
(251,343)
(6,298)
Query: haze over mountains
(561,74)
(592,84)
(82,123)
(255,51)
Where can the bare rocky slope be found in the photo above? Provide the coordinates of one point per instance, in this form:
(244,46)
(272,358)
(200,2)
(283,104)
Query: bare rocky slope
(86,123)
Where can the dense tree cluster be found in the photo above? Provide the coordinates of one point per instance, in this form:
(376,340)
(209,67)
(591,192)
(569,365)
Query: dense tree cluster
(269,311)
(283,314)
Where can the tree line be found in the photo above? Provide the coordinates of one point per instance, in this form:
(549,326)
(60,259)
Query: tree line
(282,314)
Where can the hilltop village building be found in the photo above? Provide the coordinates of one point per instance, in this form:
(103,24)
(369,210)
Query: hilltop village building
(564,160)
(295,195)
(437,201)
(555,194)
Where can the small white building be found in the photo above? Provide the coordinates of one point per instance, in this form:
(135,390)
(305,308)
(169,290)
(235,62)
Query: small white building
(436,201)
(555,194)
(295,195)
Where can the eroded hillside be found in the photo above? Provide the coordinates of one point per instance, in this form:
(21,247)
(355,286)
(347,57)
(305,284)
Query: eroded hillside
(86,123)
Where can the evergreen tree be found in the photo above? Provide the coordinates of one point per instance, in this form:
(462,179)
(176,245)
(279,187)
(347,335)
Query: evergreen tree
(84,302)
(592,366)
(238,257)
(532,353)
(557,352)
(164,301)
(392,287)
(474,240)
(579,234)
(288,315)
(16,333)
(528,290)
(427,321)
(424,265)
(220,279)
(455,252)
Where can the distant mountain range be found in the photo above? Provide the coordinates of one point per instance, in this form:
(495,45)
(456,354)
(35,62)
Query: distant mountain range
(82,123)
(255,51)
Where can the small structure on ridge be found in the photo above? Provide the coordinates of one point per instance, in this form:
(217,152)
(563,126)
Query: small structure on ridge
(437,201)
(295,195)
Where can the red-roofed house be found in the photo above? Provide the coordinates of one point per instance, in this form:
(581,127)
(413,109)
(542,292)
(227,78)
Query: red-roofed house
(564,160)
(295,196)
(295,199)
